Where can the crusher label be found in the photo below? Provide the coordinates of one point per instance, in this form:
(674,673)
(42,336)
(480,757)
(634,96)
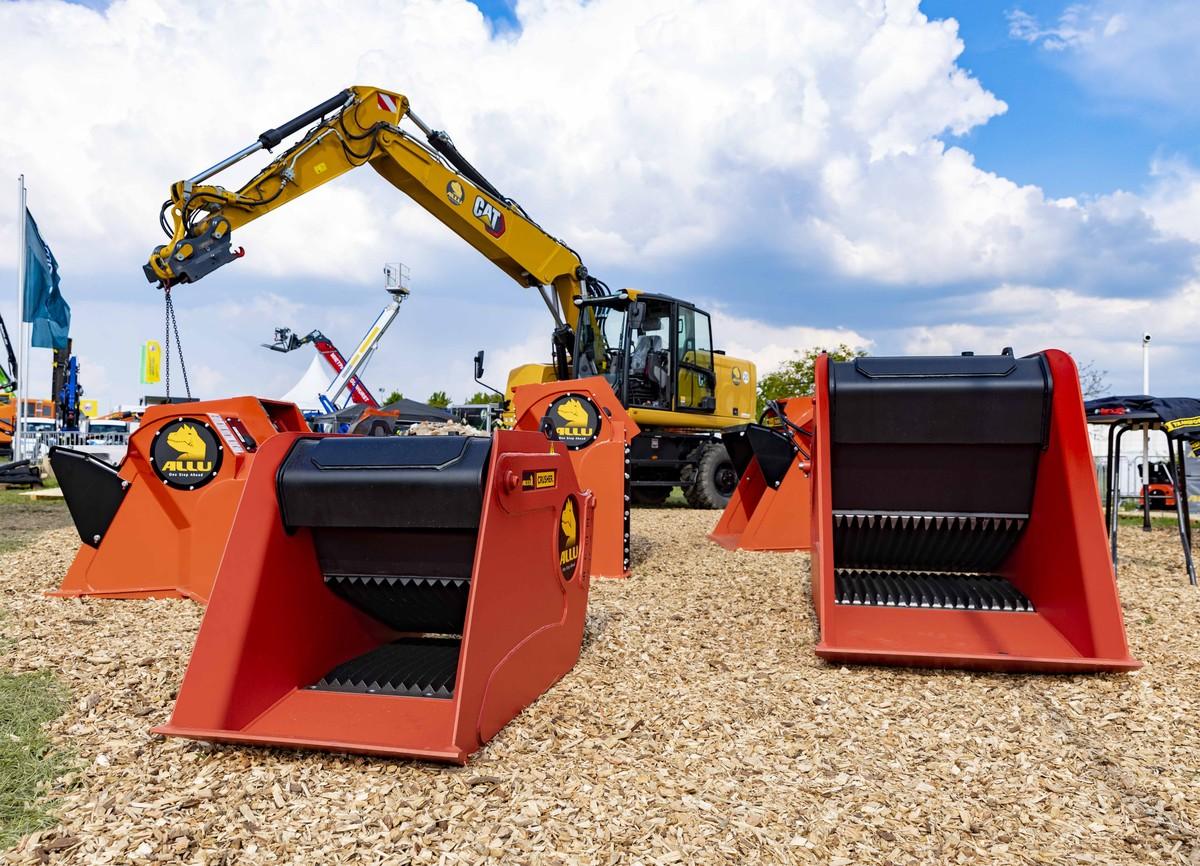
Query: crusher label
(539,479)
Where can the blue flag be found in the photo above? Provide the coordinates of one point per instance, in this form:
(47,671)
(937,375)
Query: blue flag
(45,307)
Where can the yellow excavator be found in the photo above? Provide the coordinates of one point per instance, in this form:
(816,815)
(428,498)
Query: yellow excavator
(655,351)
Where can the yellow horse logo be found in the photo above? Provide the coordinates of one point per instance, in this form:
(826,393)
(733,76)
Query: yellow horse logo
(188,443)
(570,527)
(573,413)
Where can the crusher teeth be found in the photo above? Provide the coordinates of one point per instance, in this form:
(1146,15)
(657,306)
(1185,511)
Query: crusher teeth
(913,589)
(925,542)
(436,605)
(417,667)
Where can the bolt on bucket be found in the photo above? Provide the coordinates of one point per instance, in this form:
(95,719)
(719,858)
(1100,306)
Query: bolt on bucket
(156,528)
(956,517)
(770,509)
(392,595)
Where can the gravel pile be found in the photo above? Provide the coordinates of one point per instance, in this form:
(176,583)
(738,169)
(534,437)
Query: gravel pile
(698,727)
(443,428)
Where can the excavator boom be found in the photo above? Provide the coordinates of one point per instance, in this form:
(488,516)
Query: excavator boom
(360,126)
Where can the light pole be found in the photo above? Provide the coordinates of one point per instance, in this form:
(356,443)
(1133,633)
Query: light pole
(1146,435)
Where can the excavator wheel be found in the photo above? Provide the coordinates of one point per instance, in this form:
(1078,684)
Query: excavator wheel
(713,478)
(651,495)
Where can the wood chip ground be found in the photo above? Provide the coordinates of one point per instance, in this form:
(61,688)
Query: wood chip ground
(698,727)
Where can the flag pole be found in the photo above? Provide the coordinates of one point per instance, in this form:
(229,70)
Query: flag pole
(22,356)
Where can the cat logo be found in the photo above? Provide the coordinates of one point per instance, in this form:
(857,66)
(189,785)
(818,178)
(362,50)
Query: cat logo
(575,420)
(454,192)
(568,539)
(539,479)
(490,215)
(186,453)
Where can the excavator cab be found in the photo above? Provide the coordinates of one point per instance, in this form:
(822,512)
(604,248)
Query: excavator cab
(655,351)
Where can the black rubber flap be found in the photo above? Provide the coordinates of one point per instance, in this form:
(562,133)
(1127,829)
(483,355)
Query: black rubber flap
(968,399)
(912,589)
(419,667)
(93,490)
(394,482)
(773,449)
(738,447)
(412,604)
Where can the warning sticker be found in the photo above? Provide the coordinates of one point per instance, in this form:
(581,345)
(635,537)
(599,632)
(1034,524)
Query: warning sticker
(235,444)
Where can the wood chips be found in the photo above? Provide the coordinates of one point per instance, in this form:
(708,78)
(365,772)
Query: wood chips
(698,727)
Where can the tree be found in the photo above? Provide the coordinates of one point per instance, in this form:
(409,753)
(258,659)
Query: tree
(481,397)
(392,397)
(439,400)
(795,377)
(1093,381)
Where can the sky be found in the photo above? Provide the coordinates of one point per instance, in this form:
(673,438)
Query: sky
(905,177)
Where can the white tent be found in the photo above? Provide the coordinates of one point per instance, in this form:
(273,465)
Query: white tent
(316,380)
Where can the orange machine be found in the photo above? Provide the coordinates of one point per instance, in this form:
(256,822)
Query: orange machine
(157,527)
(770,509)
(588,418)
(957,519)
(392,595)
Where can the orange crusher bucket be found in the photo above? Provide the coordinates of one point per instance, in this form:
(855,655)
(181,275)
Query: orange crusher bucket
(157,527)
(392,595)
(588,418)
(770,509)
(957,519)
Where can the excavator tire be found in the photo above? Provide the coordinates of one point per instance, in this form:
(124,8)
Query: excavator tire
(714,478)
(652,495)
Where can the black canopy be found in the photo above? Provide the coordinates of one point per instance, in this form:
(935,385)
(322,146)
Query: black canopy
(1180,416)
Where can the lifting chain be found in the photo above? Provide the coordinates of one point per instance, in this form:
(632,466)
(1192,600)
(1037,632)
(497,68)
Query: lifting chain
(170,326)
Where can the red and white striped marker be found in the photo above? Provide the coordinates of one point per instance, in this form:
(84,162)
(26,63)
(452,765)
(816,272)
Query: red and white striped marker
(387,103)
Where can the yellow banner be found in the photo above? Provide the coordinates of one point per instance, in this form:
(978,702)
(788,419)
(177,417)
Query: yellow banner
(151,369)
(89,408)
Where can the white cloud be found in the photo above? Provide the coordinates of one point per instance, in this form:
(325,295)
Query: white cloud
(768,346)
(650,134)
(657,149)
(1173,200)
(1105,331)
(1136,52)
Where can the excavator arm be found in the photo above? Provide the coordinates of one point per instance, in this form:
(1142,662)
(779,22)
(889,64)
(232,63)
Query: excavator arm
(361,126)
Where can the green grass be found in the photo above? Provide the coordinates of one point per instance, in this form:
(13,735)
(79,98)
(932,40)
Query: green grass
(28,761)
(21,518)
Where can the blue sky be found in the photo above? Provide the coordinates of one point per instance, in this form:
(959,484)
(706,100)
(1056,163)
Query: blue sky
(1058,132)
(814,171)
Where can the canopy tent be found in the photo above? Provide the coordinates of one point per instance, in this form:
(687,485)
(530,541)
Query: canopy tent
(316,380)
(1179,419)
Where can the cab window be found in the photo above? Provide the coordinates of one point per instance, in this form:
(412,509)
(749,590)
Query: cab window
(650,354)
(693,345)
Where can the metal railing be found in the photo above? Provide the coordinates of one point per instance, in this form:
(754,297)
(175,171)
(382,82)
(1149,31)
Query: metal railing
(107,446)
